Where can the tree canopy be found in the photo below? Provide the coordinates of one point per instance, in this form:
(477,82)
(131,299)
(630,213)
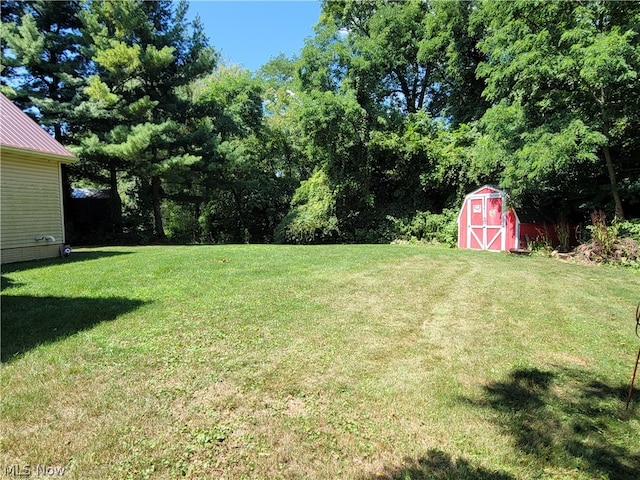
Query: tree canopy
(391,109)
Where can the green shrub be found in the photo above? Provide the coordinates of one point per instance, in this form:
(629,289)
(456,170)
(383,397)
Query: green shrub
(428,227)
(602,234)
(312,218)
(181,223)
(630,228)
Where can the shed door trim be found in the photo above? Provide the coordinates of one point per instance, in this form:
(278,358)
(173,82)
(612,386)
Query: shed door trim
(483,231)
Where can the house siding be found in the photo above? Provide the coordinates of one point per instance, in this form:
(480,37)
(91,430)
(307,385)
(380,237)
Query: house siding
(31,199)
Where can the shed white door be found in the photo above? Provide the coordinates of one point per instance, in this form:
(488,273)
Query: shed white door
(485,222)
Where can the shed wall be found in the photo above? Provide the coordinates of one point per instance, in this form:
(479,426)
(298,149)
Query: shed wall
(31,196)
(512,230)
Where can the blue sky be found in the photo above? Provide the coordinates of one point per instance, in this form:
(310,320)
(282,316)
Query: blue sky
(249,33)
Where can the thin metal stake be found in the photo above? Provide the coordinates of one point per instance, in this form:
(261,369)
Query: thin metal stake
(635,369)
(633,379)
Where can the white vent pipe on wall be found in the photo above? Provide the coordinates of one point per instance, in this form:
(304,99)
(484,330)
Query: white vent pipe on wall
(48,238)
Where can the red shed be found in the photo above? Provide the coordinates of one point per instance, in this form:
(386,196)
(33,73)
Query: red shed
(486,223)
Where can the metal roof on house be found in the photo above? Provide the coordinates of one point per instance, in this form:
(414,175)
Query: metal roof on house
(18,130)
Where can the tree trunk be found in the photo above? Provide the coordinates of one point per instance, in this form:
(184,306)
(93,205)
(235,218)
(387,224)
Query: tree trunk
(115,202)
(614,183)
(156,200)
(607,155)
(239,210)
(241,215)
(197,234)
(409,96)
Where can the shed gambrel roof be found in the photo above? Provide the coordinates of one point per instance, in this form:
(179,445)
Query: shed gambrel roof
(19,131)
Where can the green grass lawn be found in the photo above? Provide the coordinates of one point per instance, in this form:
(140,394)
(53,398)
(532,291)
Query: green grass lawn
(363,362)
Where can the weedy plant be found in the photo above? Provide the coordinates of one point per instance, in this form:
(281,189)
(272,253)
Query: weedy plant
(606,245)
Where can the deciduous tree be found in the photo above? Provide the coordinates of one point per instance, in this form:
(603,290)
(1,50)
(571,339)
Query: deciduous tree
(569,72)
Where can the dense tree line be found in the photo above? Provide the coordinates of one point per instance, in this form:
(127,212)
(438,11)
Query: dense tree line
(391,109)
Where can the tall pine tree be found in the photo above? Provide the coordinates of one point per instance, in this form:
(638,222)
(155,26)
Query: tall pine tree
(143,53)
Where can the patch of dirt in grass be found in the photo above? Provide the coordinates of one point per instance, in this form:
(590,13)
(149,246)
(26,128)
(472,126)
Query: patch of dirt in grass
(563,359)
(201,403)
(295,407)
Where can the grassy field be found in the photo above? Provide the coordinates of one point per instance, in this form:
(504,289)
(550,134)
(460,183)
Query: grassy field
(359,362)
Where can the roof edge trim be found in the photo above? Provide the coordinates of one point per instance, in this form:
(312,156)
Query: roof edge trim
(38,155)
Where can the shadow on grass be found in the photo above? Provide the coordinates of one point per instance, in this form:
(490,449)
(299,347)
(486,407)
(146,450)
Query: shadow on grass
(438,465)
(9,283)
(73,258)
(565,419)
(30,321)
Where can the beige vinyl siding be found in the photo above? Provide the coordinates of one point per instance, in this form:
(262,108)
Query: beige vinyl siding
(24,254)
(31,207)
